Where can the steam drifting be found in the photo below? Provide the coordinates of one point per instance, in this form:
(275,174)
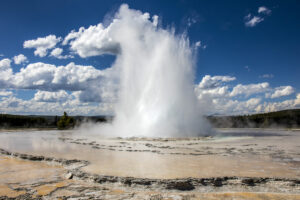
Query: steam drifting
(155,69)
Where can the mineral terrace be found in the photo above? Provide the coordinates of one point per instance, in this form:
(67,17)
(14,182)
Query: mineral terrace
(233,164)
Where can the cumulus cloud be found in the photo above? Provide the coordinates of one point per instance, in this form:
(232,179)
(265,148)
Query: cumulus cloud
(72,35)
(94,85)
(93,41)
(19,59)
(94,91)
(5,64)
(155,20)
(222,98)
(297,100)
(57,54)
(98,39)
(282,91)
(218,92)
(50,77)
(227,106)
(5,72)
(42,44)
(281,105)
(216,96)
(45,96)
(214,81)
(245,107)
(249,89)
(5,93)
(72,106)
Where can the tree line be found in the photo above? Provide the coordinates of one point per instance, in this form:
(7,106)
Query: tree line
(284,118)
(8,121)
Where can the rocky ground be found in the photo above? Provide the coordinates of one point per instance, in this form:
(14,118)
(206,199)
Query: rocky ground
(41,174)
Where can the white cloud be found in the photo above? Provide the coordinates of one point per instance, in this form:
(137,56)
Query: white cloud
(211,89)
(216,96)
(129,27)
(72,35)
(19,59)
(5,64)
(93,85)
(86,81)
(72,106)
(5,72)
(42,45)
(5,93)
(57,54)
(45,96)
(250,89)
(221,98)
(281,105)
(297,100)
(253,102)
(248,17)
(228,106)
(251,22)
(218,92)
(49,77)
(264,10)
(282,91)
(214,81)
(93,41)
(155,20)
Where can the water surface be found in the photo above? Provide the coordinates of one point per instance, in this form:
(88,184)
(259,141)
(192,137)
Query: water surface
(249,152)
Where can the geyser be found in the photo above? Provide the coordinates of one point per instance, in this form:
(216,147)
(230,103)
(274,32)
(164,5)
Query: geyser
(155,68)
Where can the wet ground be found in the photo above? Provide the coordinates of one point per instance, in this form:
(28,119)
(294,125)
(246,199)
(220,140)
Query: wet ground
(234,164)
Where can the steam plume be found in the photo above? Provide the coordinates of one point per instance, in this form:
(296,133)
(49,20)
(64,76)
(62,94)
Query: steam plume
(156,73)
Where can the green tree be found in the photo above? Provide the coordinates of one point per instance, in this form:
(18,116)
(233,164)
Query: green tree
(65,122)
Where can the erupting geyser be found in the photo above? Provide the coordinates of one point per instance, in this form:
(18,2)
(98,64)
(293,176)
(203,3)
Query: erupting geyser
(155,68)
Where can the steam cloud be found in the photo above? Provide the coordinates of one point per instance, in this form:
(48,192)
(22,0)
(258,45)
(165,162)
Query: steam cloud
(156,73)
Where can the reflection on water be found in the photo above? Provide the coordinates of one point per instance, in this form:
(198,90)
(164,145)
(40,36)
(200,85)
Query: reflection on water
(219,156)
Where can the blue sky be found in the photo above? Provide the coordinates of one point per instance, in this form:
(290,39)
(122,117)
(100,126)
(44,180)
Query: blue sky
(266,51)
